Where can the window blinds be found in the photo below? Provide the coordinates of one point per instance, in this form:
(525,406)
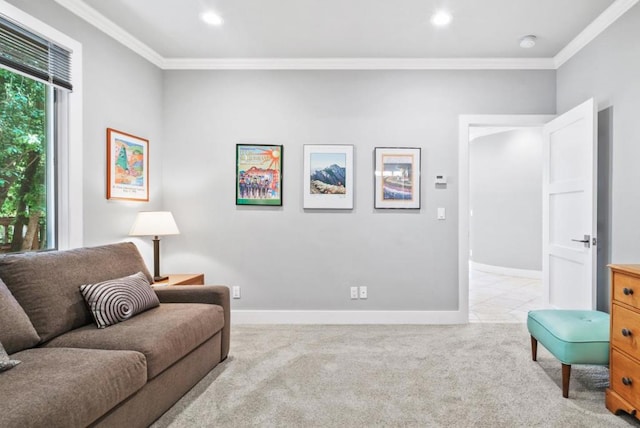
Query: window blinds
(27,53)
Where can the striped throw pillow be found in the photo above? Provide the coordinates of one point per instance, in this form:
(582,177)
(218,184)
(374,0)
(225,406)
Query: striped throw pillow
(116,300)
(6,363)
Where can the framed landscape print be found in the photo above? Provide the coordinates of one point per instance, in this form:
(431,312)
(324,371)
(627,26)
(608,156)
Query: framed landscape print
(328,176)
(397,177)
(127,166)
(258,174)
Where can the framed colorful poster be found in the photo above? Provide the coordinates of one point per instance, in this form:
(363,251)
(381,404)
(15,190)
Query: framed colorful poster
(127,166)
(328,177)
(258,174)
(397,177)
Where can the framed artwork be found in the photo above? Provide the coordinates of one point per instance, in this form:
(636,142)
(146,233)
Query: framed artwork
(258,174)
(328,177)
(397,177)
(127,166)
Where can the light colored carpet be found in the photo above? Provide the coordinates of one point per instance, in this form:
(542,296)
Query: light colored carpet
(475,375)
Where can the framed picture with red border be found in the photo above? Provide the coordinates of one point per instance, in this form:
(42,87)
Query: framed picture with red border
(127,166)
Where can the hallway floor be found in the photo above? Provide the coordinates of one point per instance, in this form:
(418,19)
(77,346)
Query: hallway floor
(500,298)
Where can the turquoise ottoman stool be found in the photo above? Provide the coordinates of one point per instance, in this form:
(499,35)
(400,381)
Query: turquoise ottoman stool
(572,336)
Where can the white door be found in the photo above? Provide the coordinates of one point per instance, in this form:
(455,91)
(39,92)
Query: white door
(569,209)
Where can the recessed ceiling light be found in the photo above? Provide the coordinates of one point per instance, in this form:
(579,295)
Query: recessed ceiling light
(441,18)
(528,41)
(211,18)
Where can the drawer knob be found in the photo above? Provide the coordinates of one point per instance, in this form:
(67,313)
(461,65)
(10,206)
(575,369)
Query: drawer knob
(626,332)
(627,291)
(627,381)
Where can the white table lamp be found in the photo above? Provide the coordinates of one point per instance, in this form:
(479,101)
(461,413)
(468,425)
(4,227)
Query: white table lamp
(155,223)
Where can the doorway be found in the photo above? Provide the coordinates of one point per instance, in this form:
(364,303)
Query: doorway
(505,223)
(488,291)
(569,194)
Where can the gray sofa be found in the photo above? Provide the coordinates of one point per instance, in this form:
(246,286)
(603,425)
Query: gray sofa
(73,374)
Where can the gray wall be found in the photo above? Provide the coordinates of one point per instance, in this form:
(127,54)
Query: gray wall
(609,69)
(505,195)
(286,258)
(121,91)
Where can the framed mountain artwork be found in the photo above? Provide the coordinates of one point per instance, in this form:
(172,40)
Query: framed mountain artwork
(328,177)
(397,177)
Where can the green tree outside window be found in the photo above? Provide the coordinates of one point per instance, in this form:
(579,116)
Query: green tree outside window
(23,160)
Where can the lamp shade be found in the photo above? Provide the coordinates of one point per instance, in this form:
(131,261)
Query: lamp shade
(154,223)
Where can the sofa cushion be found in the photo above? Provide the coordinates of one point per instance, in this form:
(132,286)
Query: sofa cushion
(16,331)
(58,387)
(116,300)
(6,363)
(46,284)
(163,334)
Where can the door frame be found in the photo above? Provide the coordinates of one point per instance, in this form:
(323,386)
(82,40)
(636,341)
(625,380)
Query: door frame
(465,121)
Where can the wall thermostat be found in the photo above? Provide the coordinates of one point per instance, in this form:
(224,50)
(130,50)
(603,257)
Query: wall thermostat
(441,179)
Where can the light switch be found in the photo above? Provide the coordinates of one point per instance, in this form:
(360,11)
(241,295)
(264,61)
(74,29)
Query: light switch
(441,213)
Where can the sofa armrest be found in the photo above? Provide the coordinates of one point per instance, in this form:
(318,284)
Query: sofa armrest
(209,294)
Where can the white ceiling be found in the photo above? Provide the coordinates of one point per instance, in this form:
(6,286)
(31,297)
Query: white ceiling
(341,29)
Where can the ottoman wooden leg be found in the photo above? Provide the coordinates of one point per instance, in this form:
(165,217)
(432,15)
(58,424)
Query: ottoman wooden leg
(566,375)
(534,348)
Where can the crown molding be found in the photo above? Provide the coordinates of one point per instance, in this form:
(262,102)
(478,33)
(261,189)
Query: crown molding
(593,30)
(95,18)
(359,64)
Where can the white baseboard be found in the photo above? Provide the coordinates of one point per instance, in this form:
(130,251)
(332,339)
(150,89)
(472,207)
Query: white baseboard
(348,317)
(501,270)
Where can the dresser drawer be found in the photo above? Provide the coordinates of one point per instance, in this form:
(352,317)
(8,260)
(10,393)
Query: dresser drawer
(624,369)
(626,288)
(624,319)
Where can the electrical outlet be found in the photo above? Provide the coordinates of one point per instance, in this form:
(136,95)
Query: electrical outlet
(363,292)
(236,291)
(354,292)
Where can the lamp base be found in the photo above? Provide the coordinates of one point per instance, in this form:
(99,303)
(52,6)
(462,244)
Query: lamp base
(156,261)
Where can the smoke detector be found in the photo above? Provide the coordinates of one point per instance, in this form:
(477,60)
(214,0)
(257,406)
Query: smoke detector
(528,42)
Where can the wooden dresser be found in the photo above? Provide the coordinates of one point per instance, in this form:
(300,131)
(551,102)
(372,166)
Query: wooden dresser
(623,393)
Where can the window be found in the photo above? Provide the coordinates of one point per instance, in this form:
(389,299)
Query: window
(27,175)
(40,135)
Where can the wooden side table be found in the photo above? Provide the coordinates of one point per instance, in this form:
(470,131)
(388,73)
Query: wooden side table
(182,279)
